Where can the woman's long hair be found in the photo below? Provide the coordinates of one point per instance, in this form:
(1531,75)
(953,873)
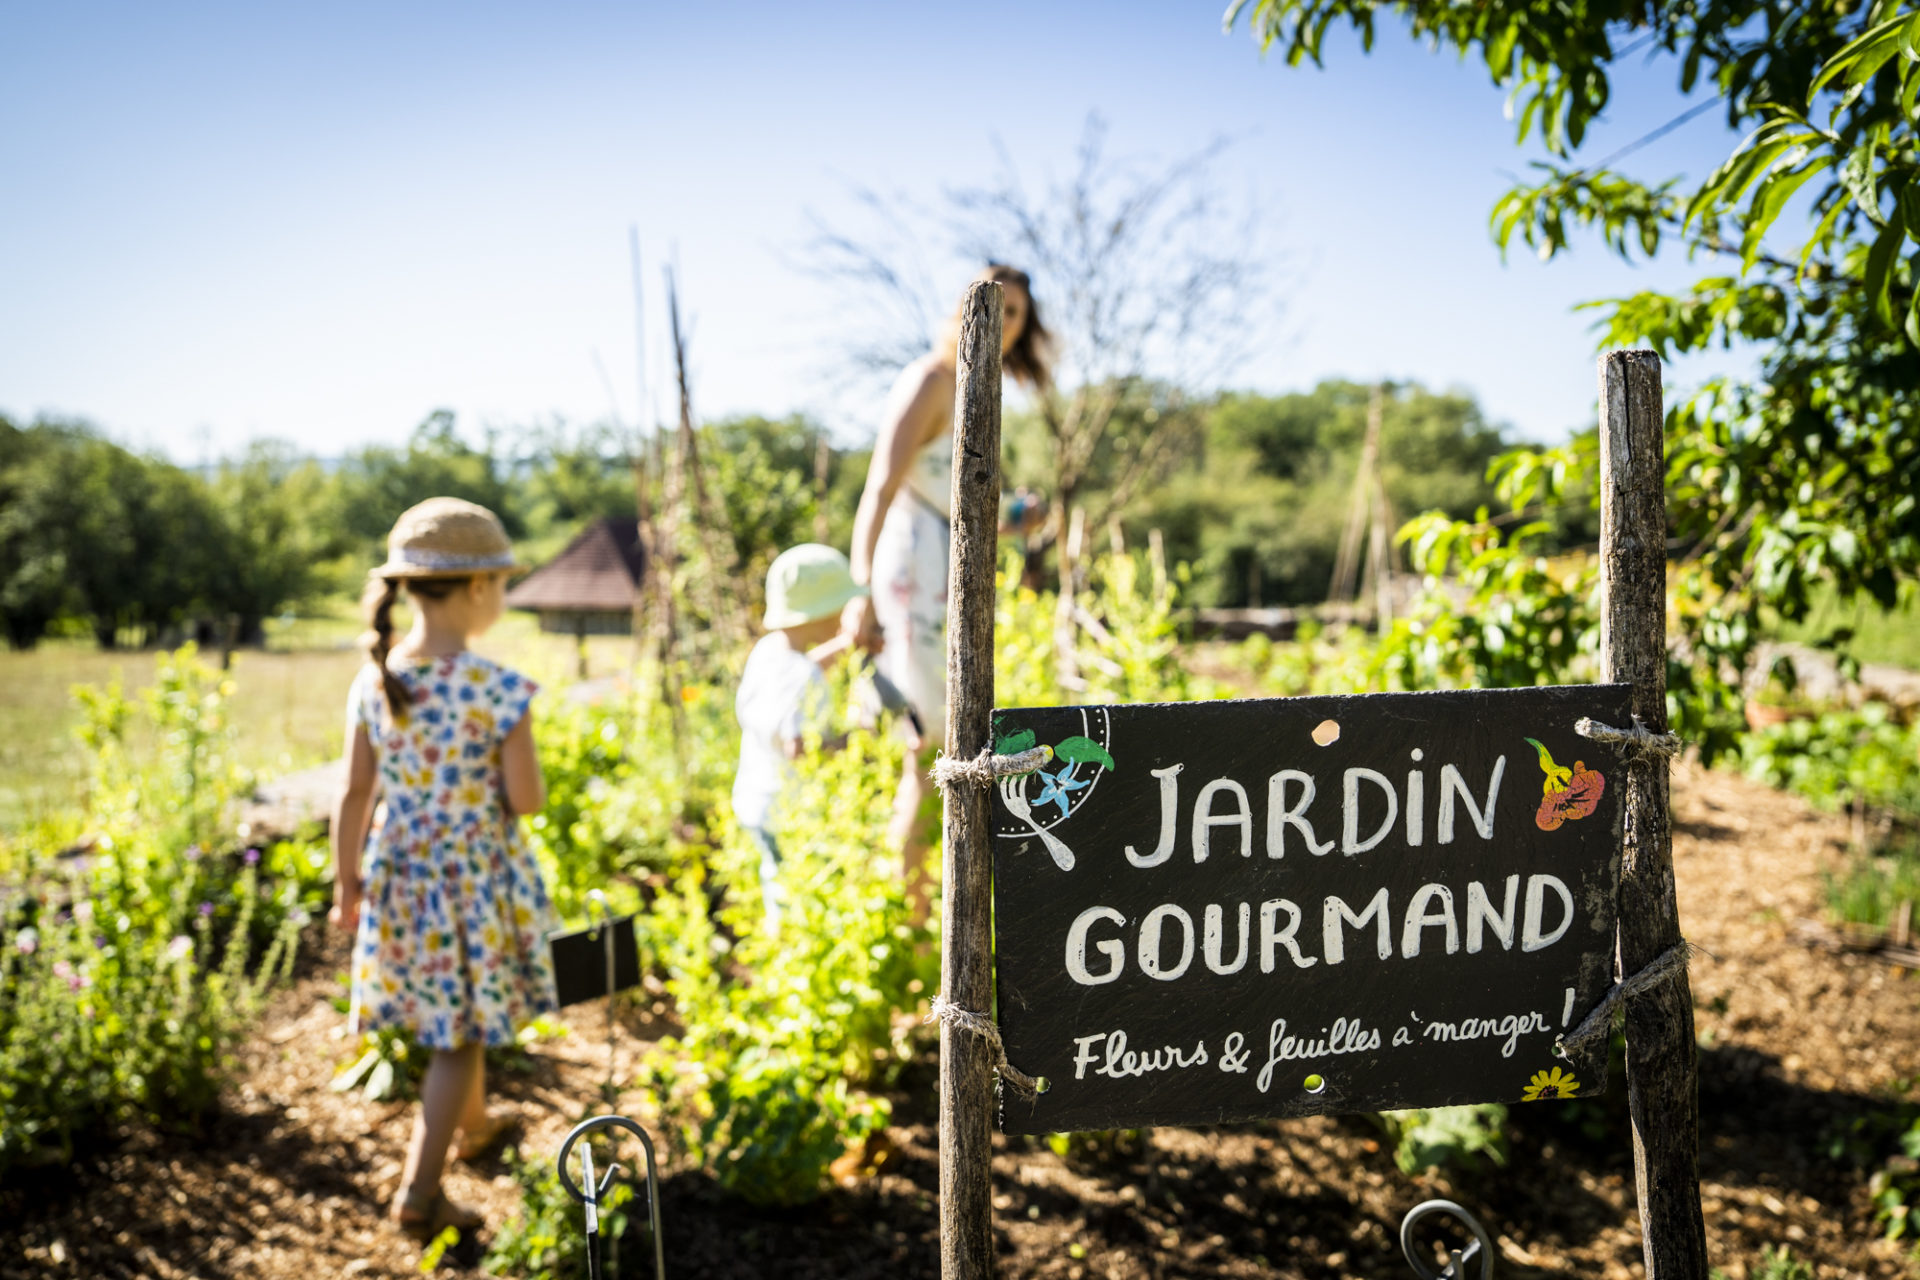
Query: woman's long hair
(1030,356)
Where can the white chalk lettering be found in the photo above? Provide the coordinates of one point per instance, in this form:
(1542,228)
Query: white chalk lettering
(1213,926)
(1346,1036)
(1169,802)
(1205,819)
(1335,910)
(1510,1028)
(1350,842)
(1149,949)
(1452,785)
(1116,1061)
(1271,940)
(1480,913)
(1419,917)
(1531,939)
(1233,1057)
(1280,816)
(1114,950)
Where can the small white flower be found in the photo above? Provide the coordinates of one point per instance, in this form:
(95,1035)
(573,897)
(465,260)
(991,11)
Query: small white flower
(179,949)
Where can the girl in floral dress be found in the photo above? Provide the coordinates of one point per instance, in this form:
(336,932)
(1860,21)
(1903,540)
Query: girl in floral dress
(447,907)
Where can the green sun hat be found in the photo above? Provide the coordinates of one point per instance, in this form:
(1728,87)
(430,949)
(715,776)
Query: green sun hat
(806,583)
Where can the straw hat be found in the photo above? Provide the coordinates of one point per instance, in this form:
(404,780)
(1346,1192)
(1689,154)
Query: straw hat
(446,537)
(806,583)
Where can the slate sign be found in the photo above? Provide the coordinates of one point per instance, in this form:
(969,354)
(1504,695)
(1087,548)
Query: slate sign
(1219,911)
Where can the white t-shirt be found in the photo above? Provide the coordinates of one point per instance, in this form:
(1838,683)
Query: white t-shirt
(783,697)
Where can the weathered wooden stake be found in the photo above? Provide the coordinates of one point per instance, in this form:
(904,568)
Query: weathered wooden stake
(1662,1068)
(966,959)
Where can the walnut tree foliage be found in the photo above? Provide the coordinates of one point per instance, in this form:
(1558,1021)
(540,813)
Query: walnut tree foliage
(1809,473)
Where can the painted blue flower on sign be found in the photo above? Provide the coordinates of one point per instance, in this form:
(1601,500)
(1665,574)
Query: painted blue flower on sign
(1055,786)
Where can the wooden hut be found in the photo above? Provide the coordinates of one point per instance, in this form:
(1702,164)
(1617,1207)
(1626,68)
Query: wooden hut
(591,587)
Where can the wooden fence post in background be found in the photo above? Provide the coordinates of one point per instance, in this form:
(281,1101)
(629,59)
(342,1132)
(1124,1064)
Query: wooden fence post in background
(966,956)
(1662,1065)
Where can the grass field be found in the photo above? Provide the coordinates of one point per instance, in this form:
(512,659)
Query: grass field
(1891,636)
(288,701)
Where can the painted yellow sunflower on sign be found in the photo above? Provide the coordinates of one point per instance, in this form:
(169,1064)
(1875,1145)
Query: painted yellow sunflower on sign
(1552,1083)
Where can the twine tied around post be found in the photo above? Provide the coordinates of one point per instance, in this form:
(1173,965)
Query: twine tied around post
(1636,743)
(949,1014)
(1668,965)
(985,769)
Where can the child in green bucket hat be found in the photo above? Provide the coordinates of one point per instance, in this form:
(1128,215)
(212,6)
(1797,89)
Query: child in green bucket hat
(783,698)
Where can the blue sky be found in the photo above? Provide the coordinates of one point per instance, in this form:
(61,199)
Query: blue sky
(320,225)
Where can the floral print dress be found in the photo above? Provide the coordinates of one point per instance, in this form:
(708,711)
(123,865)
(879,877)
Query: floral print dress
(454,913)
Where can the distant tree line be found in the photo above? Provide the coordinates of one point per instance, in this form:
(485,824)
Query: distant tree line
(99,539)
(1254,490)
(133,549)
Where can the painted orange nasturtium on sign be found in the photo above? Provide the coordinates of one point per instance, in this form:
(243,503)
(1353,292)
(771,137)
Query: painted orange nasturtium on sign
(1566,794)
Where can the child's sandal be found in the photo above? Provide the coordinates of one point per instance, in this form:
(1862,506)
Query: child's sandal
(423,1216)
(475,1143)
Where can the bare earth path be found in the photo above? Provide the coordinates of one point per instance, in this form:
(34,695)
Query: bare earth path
(289,1180)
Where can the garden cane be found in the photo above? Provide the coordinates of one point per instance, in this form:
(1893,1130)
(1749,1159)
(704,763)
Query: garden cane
(596,1188)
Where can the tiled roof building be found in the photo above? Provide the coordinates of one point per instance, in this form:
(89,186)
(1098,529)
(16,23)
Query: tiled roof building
(591,587)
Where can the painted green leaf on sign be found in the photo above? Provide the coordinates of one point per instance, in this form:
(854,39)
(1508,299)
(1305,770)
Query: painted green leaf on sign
(1077,750)
(1013,744)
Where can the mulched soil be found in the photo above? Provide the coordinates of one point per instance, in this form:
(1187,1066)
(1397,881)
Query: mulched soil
(287,1179)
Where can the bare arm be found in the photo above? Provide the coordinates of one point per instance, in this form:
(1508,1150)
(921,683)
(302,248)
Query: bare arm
(921,403)
(520,762)
(828,652)
(795,748)
(350,818)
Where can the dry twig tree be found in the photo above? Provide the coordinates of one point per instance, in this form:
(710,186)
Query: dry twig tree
(1153,283)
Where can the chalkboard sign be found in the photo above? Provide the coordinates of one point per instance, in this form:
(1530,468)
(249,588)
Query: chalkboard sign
(1219,911)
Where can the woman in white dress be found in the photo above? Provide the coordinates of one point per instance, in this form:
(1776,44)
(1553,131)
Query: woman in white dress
(901,536)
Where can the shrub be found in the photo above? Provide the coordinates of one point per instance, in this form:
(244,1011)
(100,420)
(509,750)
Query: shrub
(621,804)
(127,972)
(780,1024)
(1887,1141)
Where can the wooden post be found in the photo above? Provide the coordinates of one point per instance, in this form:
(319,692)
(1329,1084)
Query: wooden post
(966,947)
(1662,1068)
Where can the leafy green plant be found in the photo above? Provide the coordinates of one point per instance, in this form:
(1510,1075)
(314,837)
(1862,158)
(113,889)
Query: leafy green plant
(1099,1146)
(1776,1263)
(769,1121)
(1869,888)
(1458,1137)
(1526,620)
(1886,1142)
(1858,755)
(1125,638)
(390,1066)
(621,804)
(547,1238)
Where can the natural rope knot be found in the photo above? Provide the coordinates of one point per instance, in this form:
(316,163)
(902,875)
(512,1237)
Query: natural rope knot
(986,768)
(947,1013)
(1668,965)
(1636,743)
